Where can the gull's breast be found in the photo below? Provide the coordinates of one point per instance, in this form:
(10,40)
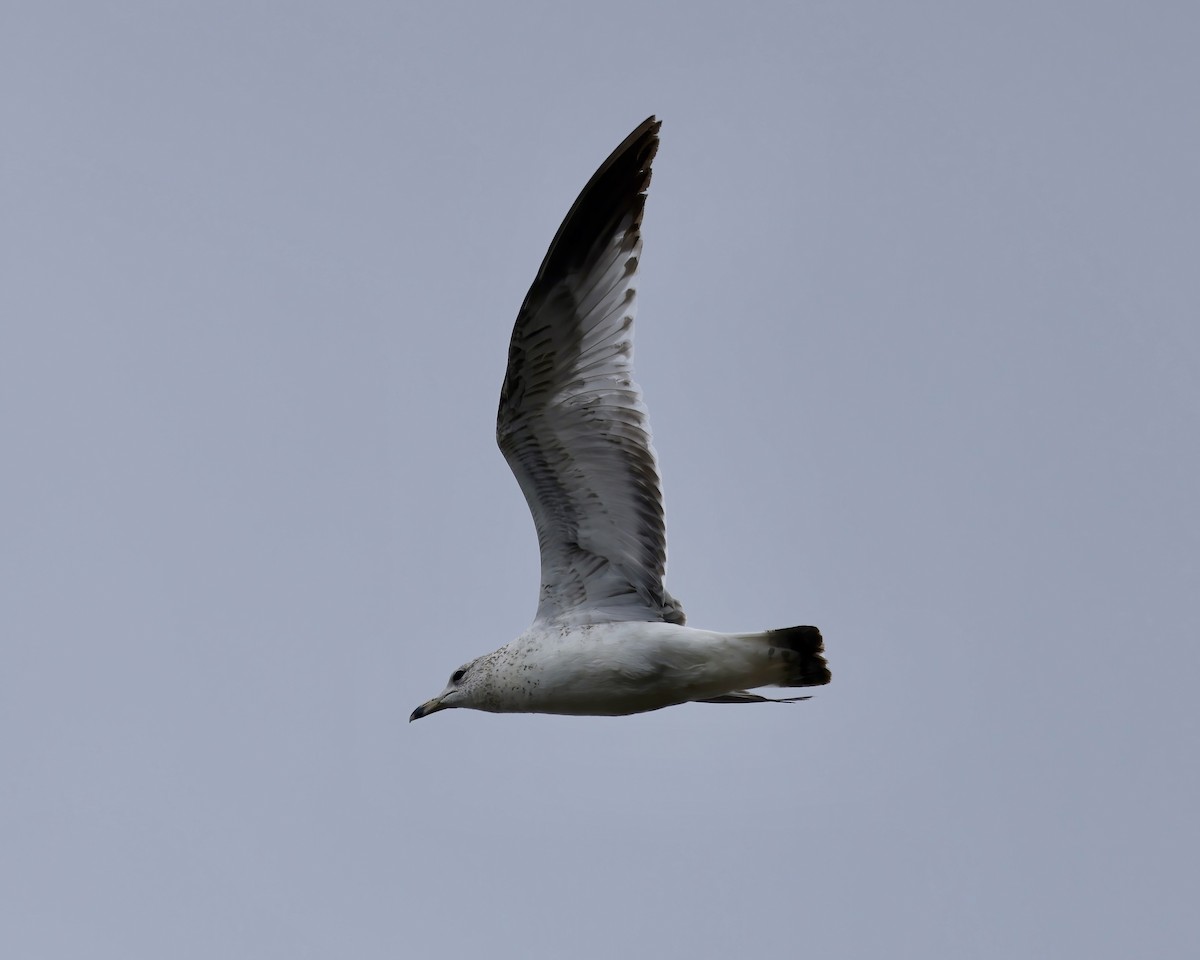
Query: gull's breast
(613,669)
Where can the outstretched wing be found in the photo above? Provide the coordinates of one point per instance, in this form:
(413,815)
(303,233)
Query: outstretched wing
(572,424)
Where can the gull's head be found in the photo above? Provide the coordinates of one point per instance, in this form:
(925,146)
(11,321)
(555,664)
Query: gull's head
(459,692)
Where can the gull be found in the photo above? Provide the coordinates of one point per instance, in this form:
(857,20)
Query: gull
(608,639)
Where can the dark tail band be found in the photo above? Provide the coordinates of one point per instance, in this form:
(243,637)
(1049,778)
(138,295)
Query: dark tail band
(801,650)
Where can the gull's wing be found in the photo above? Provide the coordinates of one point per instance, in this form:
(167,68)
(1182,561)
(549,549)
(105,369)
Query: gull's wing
(572,424)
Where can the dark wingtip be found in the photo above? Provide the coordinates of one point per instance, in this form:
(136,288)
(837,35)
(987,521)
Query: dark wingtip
(613,199)
(616,190)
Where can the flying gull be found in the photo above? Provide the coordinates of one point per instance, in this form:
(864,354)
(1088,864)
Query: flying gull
(608,639)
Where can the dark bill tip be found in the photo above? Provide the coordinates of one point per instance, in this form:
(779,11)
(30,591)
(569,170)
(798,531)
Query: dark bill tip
(424,710)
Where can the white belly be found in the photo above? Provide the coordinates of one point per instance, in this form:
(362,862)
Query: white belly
(621,668)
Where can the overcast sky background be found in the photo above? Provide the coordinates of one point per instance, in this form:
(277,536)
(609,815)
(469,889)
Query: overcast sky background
(919,332)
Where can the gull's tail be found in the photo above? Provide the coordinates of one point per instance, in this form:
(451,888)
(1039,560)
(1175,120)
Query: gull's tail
(793,659)
(799,652)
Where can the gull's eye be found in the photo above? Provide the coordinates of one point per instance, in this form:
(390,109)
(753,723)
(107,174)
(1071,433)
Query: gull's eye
(457,675)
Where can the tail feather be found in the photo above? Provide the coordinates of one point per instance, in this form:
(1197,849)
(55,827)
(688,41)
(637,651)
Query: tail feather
(800,651)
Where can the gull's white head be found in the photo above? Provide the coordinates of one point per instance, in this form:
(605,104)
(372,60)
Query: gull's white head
(462,690)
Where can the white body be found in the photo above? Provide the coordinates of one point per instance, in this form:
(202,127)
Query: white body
(611,669)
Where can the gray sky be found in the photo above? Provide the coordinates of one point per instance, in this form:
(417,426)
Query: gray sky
(918,333)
